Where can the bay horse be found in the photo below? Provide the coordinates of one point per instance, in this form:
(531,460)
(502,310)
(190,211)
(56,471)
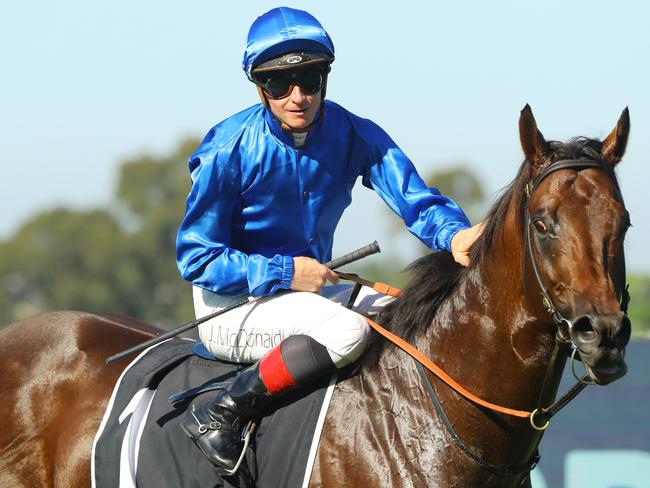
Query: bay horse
(559,240)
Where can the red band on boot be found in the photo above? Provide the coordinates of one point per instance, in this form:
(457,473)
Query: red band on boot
(274,372)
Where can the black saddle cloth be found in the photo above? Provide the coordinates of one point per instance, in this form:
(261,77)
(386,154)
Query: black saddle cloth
(154,452)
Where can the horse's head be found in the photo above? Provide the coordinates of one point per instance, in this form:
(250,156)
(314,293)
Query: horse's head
(576,225)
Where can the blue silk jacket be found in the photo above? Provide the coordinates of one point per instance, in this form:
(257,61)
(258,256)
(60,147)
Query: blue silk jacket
(256,201)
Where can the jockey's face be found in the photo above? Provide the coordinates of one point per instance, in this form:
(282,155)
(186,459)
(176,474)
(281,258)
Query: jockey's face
(297,109)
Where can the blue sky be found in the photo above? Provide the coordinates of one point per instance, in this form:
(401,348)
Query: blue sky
(87,84)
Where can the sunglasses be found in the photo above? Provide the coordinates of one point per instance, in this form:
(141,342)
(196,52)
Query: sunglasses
(279,84)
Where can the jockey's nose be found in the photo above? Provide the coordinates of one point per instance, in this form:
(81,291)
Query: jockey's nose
(297,95)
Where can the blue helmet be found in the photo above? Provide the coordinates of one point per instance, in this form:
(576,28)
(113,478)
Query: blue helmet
(285,31)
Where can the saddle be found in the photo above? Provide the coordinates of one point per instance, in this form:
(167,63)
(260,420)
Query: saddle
(140,443)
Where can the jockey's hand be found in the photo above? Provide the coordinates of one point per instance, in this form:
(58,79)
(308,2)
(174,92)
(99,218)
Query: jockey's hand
(310,275)
(462,242)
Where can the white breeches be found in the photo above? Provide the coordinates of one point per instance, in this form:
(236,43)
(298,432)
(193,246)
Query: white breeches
(246,333)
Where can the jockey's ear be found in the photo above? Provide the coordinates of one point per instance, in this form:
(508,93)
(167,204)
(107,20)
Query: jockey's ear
(532,140)
(615,143)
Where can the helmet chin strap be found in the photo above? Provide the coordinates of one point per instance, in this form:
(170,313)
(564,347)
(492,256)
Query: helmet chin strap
(283,125)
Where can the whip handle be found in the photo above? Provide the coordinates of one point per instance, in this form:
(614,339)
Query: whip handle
(354,256)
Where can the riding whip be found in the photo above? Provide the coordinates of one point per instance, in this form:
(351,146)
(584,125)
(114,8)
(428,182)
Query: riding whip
(333,264)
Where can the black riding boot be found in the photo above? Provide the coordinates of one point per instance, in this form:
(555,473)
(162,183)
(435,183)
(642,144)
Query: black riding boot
(216,427)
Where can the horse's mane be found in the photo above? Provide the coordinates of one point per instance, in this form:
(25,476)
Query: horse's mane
(435,275)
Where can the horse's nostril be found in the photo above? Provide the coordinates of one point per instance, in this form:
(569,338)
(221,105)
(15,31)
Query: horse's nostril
(584,330)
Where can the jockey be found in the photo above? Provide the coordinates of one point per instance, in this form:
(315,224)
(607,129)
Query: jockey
(269,186)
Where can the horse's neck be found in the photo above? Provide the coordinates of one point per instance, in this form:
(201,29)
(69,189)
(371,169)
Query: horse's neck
(495,342)
(488,331)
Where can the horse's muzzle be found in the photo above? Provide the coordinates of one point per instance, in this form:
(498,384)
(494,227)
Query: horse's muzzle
(601,341)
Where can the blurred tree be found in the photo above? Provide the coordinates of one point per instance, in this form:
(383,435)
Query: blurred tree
(639,309)
(146,183)
(120,259)
(60,259)
(459,183)
(151,202)
(463,186)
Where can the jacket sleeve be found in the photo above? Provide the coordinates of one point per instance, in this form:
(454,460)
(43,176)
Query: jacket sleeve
(204,254)
(430,216)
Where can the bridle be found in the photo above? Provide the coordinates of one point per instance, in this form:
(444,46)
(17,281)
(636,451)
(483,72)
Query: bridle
(541,416)
(564,325)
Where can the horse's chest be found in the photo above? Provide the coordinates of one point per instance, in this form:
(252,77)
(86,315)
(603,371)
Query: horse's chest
(382,432)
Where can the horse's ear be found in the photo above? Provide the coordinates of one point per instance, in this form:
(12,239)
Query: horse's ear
(615,143)
(532,140)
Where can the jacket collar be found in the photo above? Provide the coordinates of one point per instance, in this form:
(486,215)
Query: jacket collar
(275,126)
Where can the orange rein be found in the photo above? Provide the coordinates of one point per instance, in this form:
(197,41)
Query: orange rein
(385,289)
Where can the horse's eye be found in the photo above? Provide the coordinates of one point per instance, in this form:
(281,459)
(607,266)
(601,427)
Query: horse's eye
(540,225)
